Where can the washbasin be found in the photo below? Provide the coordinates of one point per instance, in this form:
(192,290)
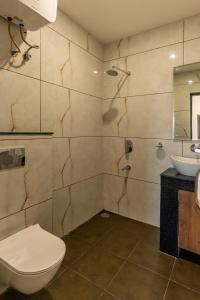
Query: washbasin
(186,166)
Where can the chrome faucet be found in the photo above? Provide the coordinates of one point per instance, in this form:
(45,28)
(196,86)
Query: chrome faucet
(126,168)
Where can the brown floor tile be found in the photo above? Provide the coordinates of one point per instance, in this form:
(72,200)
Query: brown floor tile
(11,295)
(58,274)
(187,273)
(107,296)
(149,257)
(177,292)
(134,227)
(153,237)
(69,286)
(135,283)
(119,242)
(91,231)
(98,266)
(75,248)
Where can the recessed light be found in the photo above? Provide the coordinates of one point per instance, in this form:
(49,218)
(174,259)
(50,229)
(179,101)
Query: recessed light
(190,81)
(95,72)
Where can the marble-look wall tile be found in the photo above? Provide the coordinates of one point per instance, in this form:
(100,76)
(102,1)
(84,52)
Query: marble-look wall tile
(95,47)
(55,109)
(112,84)
(40,214)
(152,72)
(55,54)
(86,115)
(76,159)
(20,103)
(152,39)
(29,185)
(75,205)
(71,66)
(62,162)
(192,51)
(148,117)
(148,161)
(113,152)
(69,29)
(112,50)
(135,199)
(86,159)
(12,224)
(187,151)
(17,63)
(191,28)
(113,113)
(62,212)
(83,72)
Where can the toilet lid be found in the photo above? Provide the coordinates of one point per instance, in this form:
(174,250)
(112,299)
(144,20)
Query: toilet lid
(32,250)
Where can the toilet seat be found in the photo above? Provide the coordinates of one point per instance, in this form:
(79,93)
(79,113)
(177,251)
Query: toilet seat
(32,251)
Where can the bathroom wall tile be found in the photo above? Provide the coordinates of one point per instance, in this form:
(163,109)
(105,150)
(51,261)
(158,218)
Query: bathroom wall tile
(152,72)
(38,172)
(54,56)
(75,205)
(76,159)
(135,199)
(191,51)
(17,64)
(148,161)
(113,151)
(20,187)
(155,38)
(61,162)
(187,151)
(62,212)
(192,25)
(90,202)
(86,115)
(113,113)
(40,214)
(55,109)
(12,224)
(95,47)
(69,29)
(20,103)
(71,67)
(86,158)
(83,72)
(112,84)
(112,50)
(148,117)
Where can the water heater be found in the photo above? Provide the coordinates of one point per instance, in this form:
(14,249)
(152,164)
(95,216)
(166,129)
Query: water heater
(34,14)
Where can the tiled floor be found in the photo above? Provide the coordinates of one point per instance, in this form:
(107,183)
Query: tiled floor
(118,258)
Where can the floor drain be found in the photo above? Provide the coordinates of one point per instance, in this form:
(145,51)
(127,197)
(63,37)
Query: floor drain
(105,215)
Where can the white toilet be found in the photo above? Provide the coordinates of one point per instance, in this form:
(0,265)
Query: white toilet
(30,258)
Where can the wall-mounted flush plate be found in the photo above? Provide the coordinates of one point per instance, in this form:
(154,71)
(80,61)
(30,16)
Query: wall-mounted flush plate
(128,146)
(12,158)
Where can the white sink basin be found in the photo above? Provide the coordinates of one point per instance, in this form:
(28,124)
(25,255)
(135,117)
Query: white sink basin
(186,166)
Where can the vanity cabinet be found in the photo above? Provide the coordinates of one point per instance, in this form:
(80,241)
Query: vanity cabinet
(171,184)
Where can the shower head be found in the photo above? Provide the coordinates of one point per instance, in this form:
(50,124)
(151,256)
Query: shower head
(114,71)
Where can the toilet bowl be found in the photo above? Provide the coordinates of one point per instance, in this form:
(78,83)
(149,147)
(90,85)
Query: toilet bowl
(30,258)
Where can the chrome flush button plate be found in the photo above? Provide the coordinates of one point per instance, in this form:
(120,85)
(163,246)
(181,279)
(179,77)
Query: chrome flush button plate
(12,158)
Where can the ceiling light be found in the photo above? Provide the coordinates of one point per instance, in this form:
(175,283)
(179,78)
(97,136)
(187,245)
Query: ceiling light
(95,72)
(190,81)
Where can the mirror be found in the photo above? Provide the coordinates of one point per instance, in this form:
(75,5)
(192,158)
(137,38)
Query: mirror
(187,102)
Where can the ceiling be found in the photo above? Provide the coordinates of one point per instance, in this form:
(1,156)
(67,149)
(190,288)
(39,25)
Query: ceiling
(109,20)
